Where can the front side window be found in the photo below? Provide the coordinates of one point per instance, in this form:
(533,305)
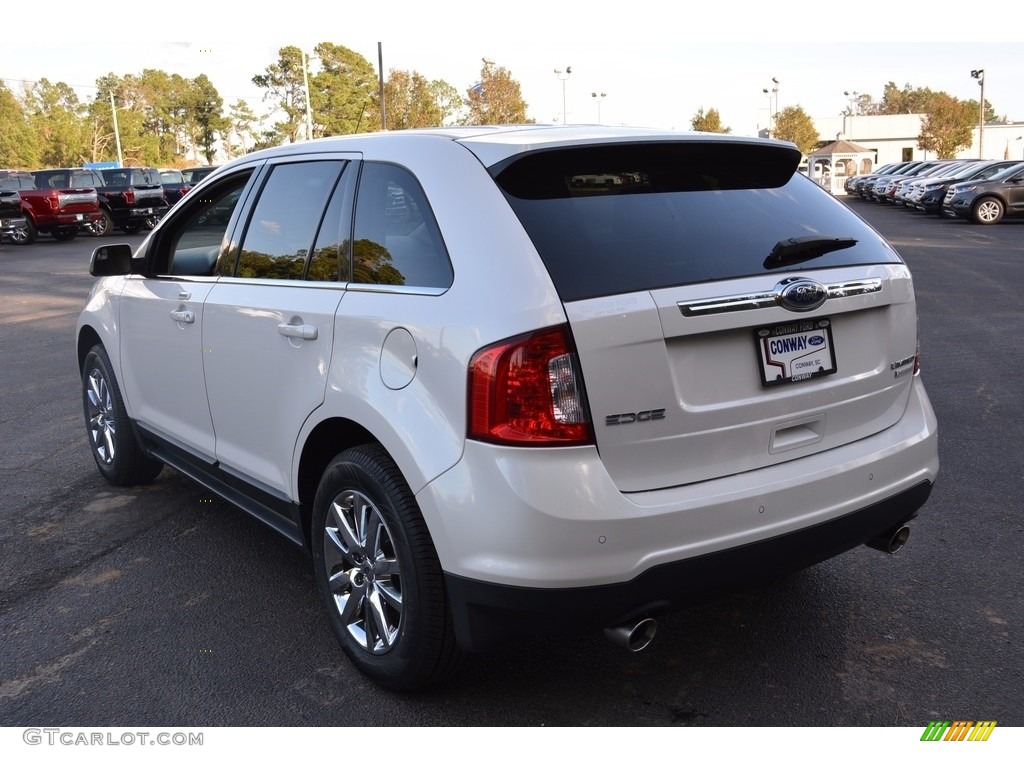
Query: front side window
(191,243)
(284,223)
(396,239)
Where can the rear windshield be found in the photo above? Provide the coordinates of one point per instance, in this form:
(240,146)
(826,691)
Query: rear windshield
(622,218)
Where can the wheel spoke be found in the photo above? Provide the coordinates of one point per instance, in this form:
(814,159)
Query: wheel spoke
(353,601)
(378,629)
(348,532)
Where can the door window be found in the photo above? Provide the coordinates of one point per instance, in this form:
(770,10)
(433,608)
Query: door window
(284,223)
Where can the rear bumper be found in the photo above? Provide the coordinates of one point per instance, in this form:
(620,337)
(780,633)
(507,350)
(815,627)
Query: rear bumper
(526,533)
(487,614)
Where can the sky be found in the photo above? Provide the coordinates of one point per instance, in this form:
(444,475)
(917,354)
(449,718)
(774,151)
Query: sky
(656,63)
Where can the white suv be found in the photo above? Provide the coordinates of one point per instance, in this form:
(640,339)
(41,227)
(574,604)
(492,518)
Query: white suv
(518,380)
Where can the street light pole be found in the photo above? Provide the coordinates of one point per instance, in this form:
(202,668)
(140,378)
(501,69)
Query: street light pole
(851,96)
(979,75)
(563,76)
(771,114)
(598,97)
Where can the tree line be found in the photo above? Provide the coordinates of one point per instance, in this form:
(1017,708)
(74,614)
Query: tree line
(167,120)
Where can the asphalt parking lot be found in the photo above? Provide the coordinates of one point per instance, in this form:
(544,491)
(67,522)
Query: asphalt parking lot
(165,606)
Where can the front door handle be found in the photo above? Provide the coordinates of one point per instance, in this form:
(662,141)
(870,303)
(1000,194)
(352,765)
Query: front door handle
(183,316)
(299,331)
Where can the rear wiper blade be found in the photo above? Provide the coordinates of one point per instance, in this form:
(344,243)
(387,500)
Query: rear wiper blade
(798,249)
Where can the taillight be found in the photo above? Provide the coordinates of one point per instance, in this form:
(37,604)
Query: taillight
(129,197)
(528,390)
(53,201)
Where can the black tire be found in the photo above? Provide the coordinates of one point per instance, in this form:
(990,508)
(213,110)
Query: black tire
(371,549)
(26,235)
(988,210)
(111,438)
(104,226)
(65,233)
(131,227)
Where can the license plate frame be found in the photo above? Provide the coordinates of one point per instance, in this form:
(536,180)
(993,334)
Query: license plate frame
(796,351)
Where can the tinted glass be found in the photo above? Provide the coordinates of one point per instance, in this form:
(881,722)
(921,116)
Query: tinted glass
(618,219)
(115,177)
(195,236)
(285,221)
(330,259)
(396,239)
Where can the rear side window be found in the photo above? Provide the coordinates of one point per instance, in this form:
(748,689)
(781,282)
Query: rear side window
(396,239)
(612,219)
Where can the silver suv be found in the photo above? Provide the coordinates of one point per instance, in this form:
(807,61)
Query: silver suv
(505,381)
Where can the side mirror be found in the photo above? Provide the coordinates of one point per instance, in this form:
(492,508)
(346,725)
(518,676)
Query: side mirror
(111,260)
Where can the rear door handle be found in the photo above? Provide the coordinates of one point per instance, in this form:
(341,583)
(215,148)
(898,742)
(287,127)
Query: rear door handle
(304,331)
(183,315)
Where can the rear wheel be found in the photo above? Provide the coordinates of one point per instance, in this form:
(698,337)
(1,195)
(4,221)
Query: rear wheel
(113,443)
(988,210)
(378,574)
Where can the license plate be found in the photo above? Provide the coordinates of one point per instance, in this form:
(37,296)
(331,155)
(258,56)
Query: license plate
(795,351)
(147,211)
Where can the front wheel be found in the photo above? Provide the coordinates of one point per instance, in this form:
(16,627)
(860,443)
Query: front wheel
(988,210)
(117,453)
(378,574)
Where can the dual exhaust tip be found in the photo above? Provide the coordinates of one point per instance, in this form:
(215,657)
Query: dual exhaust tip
(636,635)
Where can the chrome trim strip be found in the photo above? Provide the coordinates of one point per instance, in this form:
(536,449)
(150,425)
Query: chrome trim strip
(747,301)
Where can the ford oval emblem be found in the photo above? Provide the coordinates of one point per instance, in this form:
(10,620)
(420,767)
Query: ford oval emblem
(801,295)
(816,341)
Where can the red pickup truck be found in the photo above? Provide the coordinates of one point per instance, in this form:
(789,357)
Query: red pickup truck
(58,212)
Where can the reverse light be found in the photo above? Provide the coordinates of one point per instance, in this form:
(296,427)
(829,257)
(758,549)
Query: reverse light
(528,390)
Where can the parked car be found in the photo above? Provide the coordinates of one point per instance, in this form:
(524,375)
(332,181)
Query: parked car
(931,192)
(853,183)
(904,186)
(60,211)
(193,176)
(174,184)
(987,202)
(867,189)
(12,218)
(136,197)
(885,186)
(80,178)
(492,400)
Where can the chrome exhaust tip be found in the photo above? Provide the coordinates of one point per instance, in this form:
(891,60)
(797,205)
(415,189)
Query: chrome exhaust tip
(891,542)
(633,636)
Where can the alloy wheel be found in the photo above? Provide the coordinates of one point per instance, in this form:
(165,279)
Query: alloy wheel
(363,572)
(102,429)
